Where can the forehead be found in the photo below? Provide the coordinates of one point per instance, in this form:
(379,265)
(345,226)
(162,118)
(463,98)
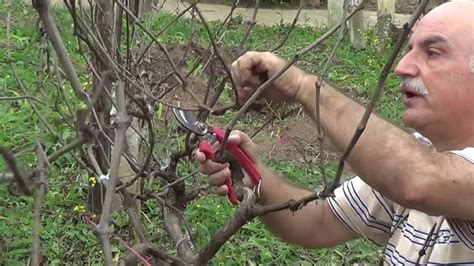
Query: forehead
(453,22)
(425,34)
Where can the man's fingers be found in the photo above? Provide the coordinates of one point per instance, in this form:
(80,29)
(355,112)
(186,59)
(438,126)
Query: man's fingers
(222,190)
(209,167)
(219,178)
(200,156)
(235,137)
(235,73)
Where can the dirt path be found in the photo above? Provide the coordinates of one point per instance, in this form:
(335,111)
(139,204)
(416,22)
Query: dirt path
(311,17)
(213,12)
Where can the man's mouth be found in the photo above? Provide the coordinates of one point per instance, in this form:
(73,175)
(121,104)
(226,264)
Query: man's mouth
(409,93)
(412,87)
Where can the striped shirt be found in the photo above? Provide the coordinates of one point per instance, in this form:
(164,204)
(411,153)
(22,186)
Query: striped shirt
(404,232)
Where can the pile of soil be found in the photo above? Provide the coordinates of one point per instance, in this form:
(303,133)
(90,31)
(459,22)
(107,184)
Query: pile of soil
(294,137)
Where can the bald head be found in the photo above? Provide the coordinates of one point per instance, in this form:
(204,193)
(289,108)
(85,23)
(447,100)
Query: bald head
(454,21)
(455,16)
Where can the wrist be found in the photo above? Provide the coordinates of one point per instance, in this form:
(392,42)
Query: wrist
(306,89)
(265,189)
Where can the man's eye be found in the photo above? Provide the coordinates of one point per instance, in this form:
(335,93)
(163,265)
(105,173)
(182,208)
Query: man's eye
(431,53)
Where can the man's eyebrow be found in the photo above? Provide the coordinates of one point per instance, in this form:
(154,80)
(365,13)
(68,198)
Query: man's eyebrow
(433,40)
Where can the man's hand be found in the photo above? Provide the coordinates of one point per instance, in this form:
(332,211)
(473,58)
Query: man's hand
(314,226)
(254,68)
(219,173)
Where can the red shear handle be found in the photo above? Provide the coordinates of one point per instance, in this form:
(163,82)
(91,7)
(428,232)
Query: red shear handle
(206,148)
(230,192)
(241,156)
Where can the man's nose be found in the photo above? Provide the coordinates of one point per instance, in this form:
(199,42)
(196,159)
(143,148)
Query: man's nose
(407,66)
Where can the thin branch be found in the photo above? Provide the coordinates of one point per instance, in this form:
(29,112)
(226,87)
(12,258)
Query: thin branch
(119,70)
(216,50)
(42,163)
(267,83)
(6,178)
(42,7)
(33,106)
(26,185)
(274,116)
(251,24)
(22,98)
(130,257)
(151,142)
(60,86)
(133,251)
(102,230)
(130,206)
(425,252)
(329,189)
(425,246)
(229,16)
(81,35)
(117,30)
(292,26)
(318,84)
(67,148)
(140,249)
(171,23)
(223,109)
(9,52)
(40,116)
(41,170)
(177,181)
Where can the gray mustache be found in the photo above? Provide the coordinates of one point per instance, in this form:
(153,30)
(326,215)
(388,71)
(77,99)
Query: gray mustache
(415,85)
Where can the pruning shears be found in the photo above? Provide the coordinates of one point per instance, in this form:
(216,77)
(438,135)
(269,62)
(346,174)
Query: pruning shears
(233,154)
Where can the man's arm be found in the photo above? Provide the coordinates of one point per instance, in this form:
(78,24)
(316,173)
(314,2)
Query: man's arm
(315,225)
(390,160)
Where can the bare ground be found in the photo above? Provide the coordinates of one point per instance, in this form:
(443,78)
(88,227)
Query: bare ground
(294,138)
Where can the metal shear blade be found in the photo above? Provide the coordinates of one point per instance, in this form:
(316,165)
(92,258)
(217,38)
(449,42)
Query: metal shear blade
(233,153)
(190,122)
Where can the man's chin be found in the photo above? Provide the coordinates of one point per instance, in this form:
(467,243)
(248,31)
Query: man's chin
(410,119)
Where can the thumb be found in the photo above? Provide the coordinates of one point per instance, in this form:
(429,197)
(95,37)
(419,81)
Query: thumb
(241,139)
(243,94)
(200,156)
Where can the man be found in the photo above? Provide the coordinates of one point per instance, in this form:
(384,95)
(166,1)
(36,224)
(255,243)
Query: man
(406,188)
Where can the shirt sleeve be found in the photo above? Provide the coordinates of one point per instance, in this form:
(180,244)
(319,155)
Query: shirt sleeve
(464,229)
(363,210)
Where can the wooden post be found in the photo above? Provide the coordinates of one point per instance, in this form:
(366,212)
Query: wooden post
(385,16)
(335,11)
(356,26)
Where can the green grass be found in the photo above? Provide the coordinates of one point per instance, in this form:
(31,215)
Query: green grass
(68,239)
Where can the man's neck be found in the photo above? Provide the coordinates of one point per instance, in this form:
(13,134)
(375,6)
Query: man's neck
(452,143)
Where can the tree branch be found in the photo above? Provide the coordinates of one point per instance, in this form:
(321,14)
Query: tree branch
(319,82)
(250,26)
(42,7)
(41,170)
(130,257)
(102,230)
(292,26)
(26,184)
(243,215)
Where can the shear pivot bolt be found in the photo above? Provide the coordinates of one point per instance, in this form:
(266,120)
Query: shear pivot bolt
(201,126)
